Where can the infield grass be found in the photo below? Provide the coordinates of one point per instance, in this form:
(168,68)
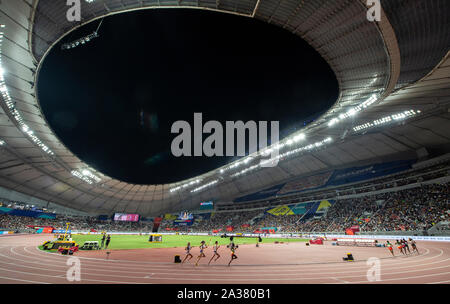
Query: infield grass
(141,241)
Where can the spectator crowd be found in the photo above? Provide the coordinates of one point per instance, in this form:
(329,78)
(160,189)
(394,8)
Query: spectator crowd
(411,209)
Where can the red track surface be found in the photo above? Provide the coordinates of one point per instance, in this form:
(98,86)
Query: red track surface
(22,262)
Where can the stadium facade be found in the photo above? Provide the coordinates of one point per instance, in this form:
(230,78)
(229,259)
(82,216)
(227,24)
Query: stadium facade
(393,102)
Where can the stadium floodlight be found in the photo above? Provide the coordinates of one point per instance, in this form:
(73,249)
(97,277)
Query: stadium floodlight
(351,112)
(384,120)
(187,184)
(204,186)
(299,137)
(82,40)
(82,177)
(333,122)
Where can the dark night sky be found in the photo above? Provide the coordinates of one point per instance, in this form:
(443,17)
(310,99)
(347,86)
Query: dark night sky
(164,65)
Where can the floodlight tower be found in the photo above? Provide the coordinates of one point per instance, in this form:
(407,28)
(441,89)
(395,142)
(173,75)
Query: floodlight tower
(82,40)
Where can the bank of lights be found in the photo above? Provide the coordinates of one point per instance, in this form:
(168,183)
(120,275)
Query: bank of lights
(283,156)
(12,108)
(353,111)
(205,186)
(301,149)
(86,176)
(82,177)
(387,119)
(191,183)
(288,142)
(82,40)
(90,175)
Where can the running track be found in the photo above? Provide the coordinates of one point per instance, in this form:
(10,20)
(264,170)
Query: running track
(22,262)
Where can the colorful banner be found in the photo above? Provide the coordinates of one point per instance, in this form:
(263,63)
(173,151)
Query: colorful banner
(281,210)
(300,208)
(318,241)
(352,230)
(61,231)
(349,232)
(355,228)
(156,222)
(269,229)
(170,217)
(324,205)
(45,230)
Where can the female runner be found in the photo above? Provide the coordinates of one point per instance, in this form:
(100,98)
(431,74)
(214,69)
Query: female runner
(216,254)
(202,254)
(233,248)
(188,252)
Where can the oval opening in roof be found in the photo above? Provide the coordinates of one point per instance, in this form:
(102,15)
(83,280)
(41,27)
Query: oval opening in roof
(112,100)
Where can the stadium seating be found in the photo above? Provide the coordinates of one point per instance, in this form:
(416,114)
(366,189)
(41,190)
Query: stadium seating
(371,206)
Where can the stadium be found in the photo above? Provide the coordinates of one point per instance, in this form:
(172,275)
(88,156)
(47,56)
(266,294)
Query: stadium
(364,184)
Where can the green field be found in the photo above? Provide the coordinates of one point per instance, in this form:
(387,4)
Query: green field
(137,241)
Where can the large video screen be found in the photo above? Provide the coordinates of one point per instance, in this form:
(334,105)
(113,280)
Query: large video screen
(206,205)
(124,217)
(185,215)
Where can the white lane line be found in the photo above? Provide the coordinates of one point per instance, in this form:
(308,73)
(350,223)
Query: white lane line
(177,271)
(267,267)
(408,278)
(20,280)
(442,282)
(59,277)
(409,271)
(220,276)
(340,281)
(64,271)
(433,257)
(359,269)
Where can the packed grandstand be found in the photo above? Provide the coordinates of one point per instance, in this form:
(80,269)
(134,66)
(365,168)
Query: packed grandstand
(414,200)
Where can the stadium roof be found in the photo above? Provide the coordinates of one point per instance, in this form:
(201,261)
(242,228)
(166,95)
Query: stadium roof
(394,95)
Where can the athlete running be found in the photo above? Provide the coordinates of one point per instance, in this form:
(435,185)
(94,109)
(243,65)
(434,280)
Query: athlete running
(233,248)
(216,254)
(188,252)
(202,254)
